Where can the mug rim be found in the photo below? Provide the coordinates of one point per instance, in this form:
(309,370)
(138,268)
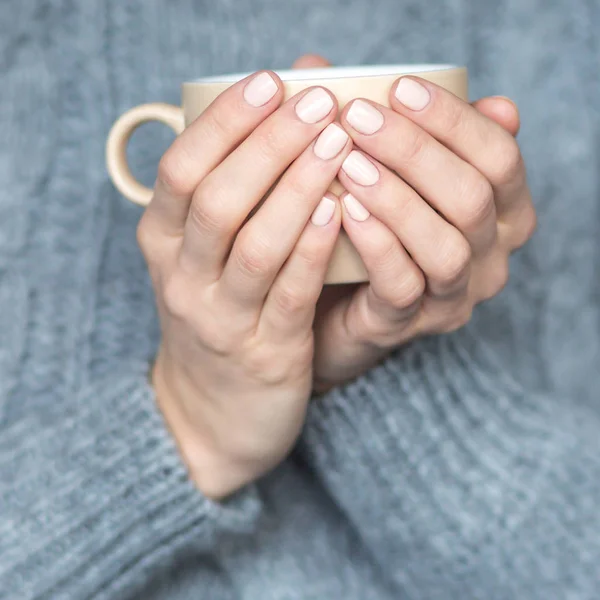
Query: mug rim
(333,72)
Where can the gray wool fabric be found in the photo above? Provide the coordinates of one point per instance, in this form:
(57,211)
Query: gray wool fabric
(465,467)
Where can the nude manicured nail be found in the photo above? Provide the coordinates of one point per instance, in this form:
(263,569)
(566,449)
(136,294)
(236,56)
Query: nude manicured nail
(323,213)
(364,117)
(260,90)
(331,142)
(314,106)
(412,94)
(360,169)
(355,209)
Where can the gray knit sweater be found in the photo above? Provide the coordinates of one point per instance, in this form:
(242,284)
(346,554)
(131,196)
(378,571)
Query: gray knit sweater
(467,466)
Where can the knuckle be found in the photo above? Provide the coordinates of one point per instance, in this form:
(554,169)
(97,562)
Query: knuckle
(176,296)
(312,254)
(508,164)
(290,300)
(412,146)
(406,205)
(366,326)
(268,365)
(216,338)
(528,226)
(407,292)
(453,118)
(220,123)
(477,204)
(180,300)
(496,278)
(207,210)
(454,265)
(458,320)
(371,328)
(253,255)
(172,173)
(383,251)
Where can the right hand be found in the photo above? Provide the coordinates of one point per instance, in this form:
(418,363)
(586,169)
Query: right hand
(236,291)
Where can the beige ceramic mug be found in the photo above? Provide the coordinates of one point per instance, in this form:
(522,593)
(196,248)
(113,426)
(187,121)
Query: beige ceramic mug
(346,83)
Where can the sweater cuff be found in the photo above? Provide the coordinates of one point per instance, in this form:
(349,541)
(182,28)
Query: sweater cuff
(438,433)
(102,494)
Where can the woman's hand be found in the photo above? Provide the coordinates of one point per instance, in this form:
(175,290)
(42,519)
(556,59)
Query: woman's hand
(437,201)
(237,295)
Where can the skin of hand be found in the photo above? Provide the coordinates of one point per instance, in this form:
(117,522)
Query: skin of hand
(437,200)
(246,329)
(236,287)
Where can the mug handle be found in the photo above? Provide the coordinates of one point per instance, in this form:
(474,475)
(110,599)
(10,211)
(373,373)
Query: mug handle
(118,138)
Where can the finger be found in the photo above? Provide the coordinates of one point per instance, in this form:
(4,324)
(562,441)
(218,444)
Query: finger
(480,141)
(502,110)
(311,61)
(450,185)
(518,224)
(225,198)
(396,284)
(441,315)
(438,248)
(206,142)
(490,276)
(290,306)
(266,241)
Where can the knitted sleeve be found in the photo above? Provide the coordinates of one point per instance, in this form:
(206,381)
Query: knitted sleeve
(456,478)
(90,502)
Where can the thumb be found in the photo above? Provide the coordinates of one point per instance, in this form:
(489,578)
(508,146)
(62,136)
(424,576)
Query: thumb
(502,110)
(311,61)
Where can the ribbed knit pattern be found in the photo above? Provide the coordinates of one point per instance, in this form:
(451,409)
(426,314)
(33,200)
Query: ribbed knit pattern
(101,495)
(465,467)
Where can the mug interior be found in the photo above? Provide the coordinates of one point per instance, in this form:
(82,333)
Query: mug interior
(334,72)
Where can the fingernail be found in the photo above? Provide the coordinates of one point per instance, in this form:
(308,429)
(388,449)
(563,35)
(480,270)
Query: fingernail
(360,169)
(314,106)
(260,90)
(331,141)
(412,94)
(364,117)
(323,213)
(355,209)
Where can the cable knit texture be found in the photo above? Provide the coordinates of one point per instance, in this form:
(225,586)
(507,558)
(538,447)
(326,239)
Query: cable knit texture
(466,466)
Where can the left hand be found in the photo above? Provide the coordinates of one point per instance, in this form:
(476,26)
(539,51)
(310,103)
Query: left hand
(438,202)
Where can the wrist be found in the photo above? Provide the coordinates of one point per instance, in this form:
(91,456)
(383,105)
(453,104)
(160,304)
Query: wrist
(206,470)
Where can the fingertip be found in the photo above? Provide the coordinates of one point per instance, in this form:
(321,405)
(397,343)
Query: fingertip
(261,89)
(311,61)
(354,211)
(315,104)
(502,110)
(507,101)
(336,220)
(412,93)
(511,113)
(272,74)
(325,212)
